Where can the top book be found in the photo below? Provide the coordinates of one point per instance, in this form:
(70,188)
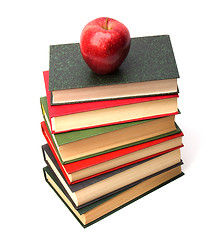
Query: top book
(149,69)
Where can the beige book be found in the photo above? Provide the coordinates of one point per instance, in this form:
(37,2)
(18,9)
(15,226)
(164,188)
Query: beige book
(138,89)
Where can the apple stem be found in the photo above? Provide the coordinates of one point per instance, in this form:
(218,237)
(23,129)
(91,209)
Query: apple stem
(106,24)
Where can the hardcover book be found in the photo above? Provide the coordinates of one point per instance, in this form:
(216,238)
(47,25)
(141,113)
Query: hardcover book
(96,211)
(165,106)
(150,65)
(92,167)
(91,190)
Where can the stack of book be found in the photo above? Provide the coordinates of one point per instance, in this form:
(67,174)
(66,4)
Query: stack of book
(111,139)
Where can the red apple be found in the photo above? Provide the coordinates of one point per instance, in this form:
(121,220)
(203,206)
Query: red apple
(104,44)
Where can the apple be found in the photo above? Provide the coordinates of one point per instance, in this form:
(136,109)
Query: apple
(104,44)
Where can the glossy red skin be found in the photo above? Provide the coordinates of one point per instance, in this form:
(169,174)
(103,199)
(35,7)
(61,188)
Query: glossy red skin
(104,50)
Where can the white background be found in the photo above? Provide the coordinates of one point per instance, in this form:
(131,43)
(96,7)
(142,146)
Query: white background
(189,208)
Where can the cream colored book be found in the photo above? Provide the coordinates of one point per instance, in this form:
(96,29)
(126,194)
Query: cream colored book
(116,91)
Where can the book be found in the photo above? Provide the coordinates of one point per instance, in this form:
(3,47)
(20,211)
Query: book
(79,145)
(67,109)
(113,115)
(91,190)
(149,69)
(96,211)
(91,167)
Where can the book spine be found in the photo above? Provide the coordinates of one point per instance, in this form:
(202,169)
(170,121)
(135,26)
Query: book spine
(55,154)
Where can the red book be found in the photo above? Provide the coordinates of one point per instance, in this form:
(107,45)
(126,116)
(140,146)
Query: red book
(74,167)
(69,109)
(66,109)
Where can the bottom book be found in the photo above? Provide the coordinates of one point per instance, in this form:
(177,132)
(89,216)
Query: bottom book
(98,210)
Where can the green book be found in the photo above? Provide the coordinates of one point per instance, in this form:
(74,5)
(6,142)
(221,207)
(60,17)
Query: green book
(150,59)
(96,211)
(70,140)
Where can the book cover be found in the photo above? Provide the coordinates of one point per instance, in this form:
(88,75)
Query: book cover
(69,168)
(80,214)
(149,58)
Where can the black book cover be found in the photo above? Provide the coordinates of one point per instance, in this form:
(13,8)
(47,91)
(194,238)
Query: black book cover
(149,58)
